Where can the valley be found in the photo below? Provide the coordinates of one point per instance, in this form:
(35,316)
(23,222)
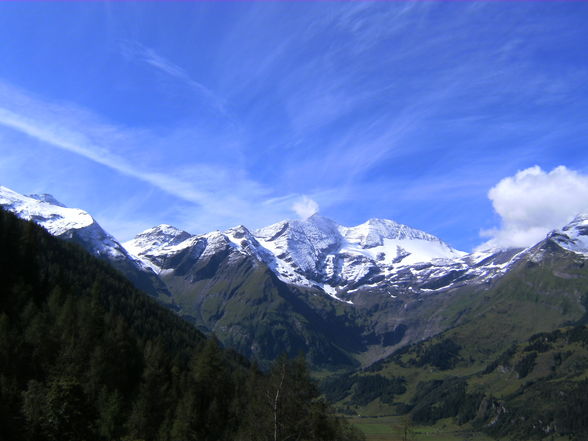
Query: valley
(392,320)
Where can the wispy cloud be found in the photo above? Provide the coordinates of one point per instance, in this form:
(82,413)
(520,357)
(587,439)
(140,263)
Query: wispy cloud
(388,107)
(80,144)
(136,51)
(221,195)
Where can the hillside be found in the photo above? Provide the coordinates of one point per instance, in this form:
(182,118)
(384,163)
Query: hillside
(344,296)
(503,366)
(85,356)
(78,226)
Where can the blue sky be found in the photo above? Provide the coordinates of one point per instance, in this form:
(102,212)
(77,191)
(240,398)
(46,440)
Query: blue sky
(207,115)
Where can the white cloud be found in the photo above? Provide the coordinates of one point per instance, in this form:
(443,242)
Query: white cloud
(218,195)
(77,142)
(152,58)
(305,207)
(533,202)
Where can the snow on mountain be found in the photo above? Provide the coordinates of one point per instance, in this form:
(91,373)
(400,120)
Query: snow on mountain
(158,247)
(316,252)
(44,197)
(55,218)
(574,236)
(390,243)
(68,223)
(300,247)
(78,226)
(154,239)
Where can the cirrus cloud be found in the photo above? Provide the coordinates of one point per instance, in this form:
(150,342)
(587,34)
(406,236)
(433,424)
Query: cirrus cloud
(533,202)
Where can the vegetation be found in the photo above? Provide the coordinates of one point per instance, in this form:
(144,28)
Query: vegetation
(85,356)
(364,388)
(261,317)
(512,365)
(402,428)
(537,389)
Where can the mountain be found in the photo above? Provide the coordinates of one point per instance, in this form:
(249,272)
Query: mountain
(438,326)
(315,252)
(78,226)
(574,236)
(86,356)
(511,360)
(343,262)
(341,294)
(345,296)
(284,287)
(223,286)
(414,325)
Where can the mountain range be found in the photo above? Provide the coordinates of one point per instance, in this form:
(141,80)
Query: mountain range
(345,296)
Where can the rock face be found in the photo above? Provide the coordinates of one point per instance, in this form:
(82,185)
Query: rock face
(78,226)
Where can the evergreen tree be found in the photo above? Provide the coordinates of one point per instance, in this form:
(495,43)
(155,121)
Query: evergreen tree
(85,356)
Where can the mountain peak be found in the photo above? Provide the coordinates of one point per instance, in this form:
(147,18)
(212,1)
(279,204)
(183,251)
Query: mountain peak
(321,222)
(573,236)
(581,219)
(162,229)
(238,232)
(374,231)
(380,221)
(46,211)
(316,217)
(46,197)
(156,237)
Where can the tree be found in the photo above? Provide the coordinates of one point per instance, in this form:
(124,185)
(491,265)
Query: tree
(408,433)
(291,398)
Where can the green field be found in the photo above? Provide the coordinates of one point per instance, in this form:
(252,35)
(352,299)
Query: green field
(393,429)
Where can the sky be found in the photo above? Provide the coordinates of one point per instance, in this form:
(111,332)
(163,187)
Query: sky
(468,120)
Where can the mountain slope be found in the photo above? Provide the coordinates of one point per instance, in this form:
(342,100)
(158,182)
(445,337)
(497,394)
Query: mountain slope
(315,252)
(471,371)
(85,356)
(342,294)
(78,226)
(228,292)
(263,292)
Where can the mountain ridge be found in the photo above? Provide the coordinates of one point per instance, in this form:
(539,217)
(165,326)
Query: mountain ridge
(299,284)
(407,337)
(78,226)
(316,252)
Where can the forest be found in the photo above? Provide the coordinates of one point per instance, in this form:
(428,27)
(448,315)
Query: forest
(85,356)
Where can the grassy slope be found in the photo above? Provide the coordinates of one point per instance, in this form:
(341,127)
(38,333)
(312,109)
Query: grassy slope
(394,428)
(537,399)
(537,296)
(250,310)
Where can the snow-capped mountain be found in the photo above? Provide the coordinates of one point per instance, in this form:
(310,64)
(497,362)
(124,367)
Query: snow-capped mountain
(574,236)
(78,226)
(316,252)
(344,262)
(319,251)
(68,223)
(261,290)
